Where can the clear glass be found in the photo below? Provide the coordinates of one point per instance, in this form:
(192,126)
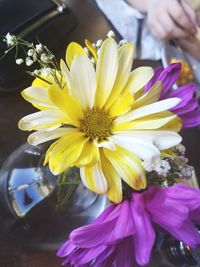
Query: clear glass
(29,198)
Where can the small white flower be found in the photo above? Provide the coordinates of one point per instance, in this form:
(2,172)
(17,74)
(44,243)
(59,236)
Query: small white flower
(93,61)
(86,50)
(99,43)
(29,61)
(123,42)
(30,52)
(45,72)
(180,148)
(111,34)
(39,48)
(19,61)
(45,58)
(37,72)
(10,39)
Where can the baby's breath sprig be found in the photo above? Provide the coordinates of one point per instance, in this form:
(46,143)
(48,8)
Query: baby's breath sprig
(35,54)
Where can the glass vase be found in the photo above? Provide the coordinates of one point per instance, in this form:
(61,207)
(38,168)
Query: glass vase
(36,209)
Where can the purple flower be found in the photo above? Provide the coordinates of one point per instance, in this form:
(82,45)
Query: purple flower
(125,233)
(187,109)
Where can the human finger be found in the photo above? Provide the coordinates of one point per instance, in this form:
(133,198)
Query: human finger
(178,14)
(171,29)
(190,12)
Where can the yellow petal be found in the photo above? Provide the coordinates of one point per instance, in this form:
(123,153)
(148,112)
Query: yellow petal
(94,179)
(73,50)
(124,68)
(149,97)
(42,83)
(173,125)
(121,105)
(66,152)
(155,121)
(138,79)
(168,153)
(92,49)
(113,178)
(107,66)
(83,81)
(67,104)
(66,74)
(148,110)
(89,155)
(128,166)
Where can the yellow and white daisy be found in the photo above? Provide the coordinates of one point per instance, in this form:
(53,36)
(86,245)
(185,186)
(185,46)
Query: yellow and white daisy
(104,122)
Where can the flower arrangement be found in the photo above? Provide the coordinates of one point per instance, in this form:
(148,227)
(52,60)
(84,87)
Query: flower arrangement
(120,127)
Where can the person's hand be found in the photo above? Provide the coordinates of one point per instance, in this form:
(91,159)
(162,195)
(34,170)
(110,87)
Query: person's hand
(168,19)
(191,45)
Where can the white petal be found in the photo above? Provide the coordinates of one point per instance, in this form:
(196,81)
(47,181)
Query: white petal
(42,119)
(161,139)
(142,148)
(83,80)
(107,66)
(123,72)
(42,136)
(149,109)
(107,144)
(138,79)
(38,96)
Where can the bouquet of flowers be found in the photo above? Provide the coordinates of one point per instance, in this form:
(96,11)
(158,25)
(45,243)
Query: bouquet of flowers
(120,127)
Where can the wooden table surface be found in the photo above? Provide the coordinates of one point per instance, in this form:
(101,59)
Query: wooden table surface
(93,25)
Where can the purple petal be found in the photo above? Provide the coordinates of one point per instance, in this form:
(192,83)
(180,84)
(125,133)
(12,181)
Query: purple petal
(187,195)
(125,253)
(92,235)
(102,259)
(88,255)
(186,93)
(191,105)
(167,212)
(169,76)
(106,214)
(191,119)
(157,71)
(195,216)
(144,237)
(66,249)
(124,225)
(187,233)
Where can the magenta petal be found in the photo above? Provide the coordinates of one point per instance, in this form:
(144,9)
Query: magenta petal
(144,237)
(157,71)
(169,76)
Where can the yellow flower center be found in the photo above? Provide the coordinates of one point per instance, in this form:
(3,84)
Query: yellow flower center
(96,124)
